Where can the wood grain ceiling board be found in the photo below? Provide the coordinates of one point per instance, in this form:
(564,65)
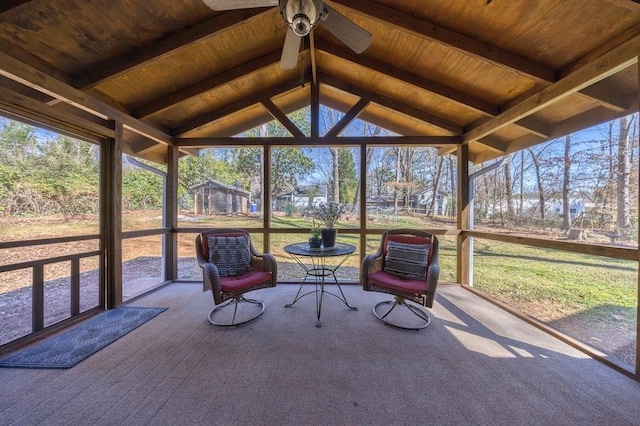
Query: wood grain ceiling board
(529,28)
(390,87)
(73,34)
(231,125)
(255,115)
(64,41)
(193,64)
(221,96)
(450,67)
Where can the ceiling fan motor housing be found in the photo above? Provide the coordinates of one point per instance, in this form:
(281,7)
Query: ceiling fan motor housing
(301,15)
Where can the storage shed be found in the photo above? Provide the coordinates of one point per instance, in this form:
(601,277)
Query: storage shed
(213,197)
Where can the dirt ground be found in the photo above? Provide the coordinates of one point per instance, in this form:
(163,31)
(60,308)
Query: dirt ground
(610,336)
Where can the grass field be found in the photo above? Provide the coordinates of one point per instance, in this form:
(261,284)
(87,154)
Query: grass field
(591,298)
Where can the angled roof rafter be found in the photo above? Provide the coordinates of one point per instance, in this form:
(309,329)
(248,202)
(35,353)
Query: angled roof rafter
(347,119)
(208,84)
(25,74)
(236,106)
(428,30)
(605,66)
(538,72)
(7,5)
(439,122)
(282,118)
(466,100)
(140,56)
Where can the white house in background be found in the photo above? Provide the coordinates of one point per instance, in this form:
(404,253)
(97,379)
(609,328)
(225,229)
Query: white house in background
(304,197)
(421,202)
(553,207)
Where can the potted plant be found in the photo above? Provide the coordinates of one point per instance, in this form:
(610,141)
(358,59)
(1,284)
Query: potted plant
(329,213)
(315,240)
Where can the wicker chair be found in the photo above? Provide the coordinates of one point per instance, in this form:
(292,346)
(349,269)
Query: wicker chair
(229,281)
(380,273)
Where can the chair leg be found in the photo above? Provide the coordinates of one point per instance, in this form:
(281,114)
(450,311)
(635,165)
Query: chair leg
(420,312)
(235,301)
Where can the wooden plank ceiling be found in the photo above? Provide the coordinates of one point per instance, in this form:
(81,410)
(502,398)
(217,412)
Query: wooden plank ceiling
(498,75)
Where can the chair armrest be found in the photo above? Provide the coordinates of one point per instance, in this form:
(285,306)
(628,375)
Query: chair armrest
(265,262)
(211,281)
(370,264)
(433,274)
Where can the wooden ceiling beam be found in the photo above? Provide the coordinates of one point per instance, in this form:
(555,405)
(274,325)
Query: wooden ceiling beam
(605,66)
(320,141)
(346,119)
(468,45)
(535,126)
(468,101)
(233,107)
(23,106)
(607,95)
(419,27)
(29,76)
(7,5)
(165,102)
(282,118)
(139,56)
(630,5)
(439,122)
(495,144)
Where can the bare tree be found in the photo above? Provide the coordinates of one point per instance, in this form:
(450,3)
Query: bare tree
(431,212)
(623,214)
(508,186)
(566,223)
(536,168)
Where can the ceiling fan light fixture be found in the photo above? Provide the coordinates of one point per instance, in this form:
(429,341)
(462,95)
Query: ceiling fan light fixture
(301,15)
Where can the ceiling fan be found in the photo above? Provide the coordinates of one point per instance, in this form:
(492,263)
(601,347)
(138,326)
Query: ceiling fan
(301,17)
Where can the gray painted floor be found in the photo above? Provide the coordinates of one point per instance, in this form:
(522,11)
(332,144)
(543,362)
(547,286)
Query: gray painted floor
(475,364)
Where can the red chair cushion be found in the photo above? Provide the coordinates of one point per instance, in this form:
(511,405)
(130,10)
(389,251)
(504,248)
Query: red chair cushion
(385,279)
(244,281)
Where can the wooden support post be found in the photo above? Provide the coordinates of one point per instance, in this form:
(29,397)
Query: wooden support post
(75,287)
(111,209)
(37,298)
(637,372)
(170,241)
(315,110)
(363,202)
(266,197)
(463,243)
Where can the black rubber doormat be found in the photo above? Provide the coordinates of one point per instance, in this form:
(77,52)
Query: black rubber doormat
(69,348)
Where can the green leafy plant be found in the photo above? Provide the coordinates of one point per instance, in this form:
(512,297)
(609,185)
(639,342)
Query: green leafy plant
(315,230)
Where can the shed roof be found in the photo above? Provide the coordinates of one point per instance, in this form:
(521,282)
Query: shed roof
(212,183)
(497,75)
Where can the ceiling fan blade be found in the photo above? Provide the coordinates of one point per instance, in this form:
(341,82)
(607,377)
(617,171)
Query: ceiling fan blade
(238,4)
(354,36)
(290,51)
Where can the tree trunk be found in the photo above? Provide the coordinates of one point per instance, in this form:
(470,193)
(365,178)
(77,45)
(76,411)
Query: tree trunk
(623,213)
(336,175)
(508,187)
(436,186)
(521,208)
(566,208)
(536,166)
(357,197)
(396,186)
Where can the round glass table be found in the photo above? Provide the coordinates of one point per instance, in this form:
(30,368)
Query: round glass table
(315,266)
